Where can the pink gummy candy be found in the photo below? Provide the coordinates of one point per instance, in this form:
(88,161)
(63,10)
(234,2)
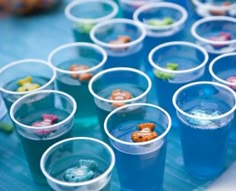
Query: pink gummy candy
(232,79)
(50,117)
(226,35)
(223,36)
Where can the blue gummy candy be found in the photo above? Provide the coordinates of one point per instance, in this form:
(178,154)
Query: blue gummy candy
(203,114)
(84,171)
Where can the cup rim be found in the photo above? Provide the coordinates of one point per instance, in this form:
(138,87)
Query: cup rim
(115,69)
(138,143)
(78,44)
(90,20)
(178,43)
(161,5)
(210,19)
(215,7)
(211,70)
(174,99)
(12,115)
(49,177)
(119,21)
(12,64)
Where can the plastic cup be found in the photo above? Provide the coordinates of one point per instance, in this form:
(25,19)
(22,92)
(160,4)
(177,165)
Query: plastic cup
(123,41)
(84,14)
(89,58)
(216,34)
(205,8)
(205,111)
(223,70)
(128,7)
(79,163)
(41,72)
(126,80)
(42,118)
(140,165)
(174,65)
(163,22)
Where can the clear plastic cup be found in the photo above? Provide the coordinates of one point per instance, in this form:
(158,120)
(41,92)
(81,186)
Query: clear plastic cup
(205,111)
(78,163)
(42,118)
(216,34)
(75,64)
(164,22)
(140,164)
(40,72)
(84,14)
(175,64)
(123,40)
(205,8)
(223,70)
(129,6)
(127,83)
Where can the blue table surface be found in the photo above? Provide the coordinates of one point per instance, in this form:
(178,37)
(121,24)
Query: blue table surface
(35,37)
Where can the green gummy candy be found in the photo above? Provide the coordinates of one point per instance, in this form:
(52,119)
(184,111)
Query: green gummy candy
(158,22)
(172,66)
(168,21)
(163,75)
(85,27)
(6,127)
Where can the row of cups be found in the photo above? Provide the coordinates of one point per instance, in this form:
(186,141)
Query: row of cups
(97,25)
(26,107)
(83,101)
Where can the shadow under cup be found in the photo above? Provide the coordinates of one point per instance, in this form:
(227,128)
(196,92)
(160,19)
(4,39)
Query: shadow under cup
(205,111)
(41,119)
(140,165)
(78,164)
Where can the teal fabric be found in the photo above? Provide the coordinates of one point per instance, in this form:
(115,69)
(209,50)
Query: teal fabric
(36,37)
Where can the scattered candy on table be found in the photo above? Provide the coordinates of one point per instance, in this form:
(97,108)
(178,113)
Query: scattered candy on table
(119,95)
(164,75)
(145,133)
(232,79)
(82,77)
(160,22)
(26,84)
(84,171)
(6,127)
(24,7)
